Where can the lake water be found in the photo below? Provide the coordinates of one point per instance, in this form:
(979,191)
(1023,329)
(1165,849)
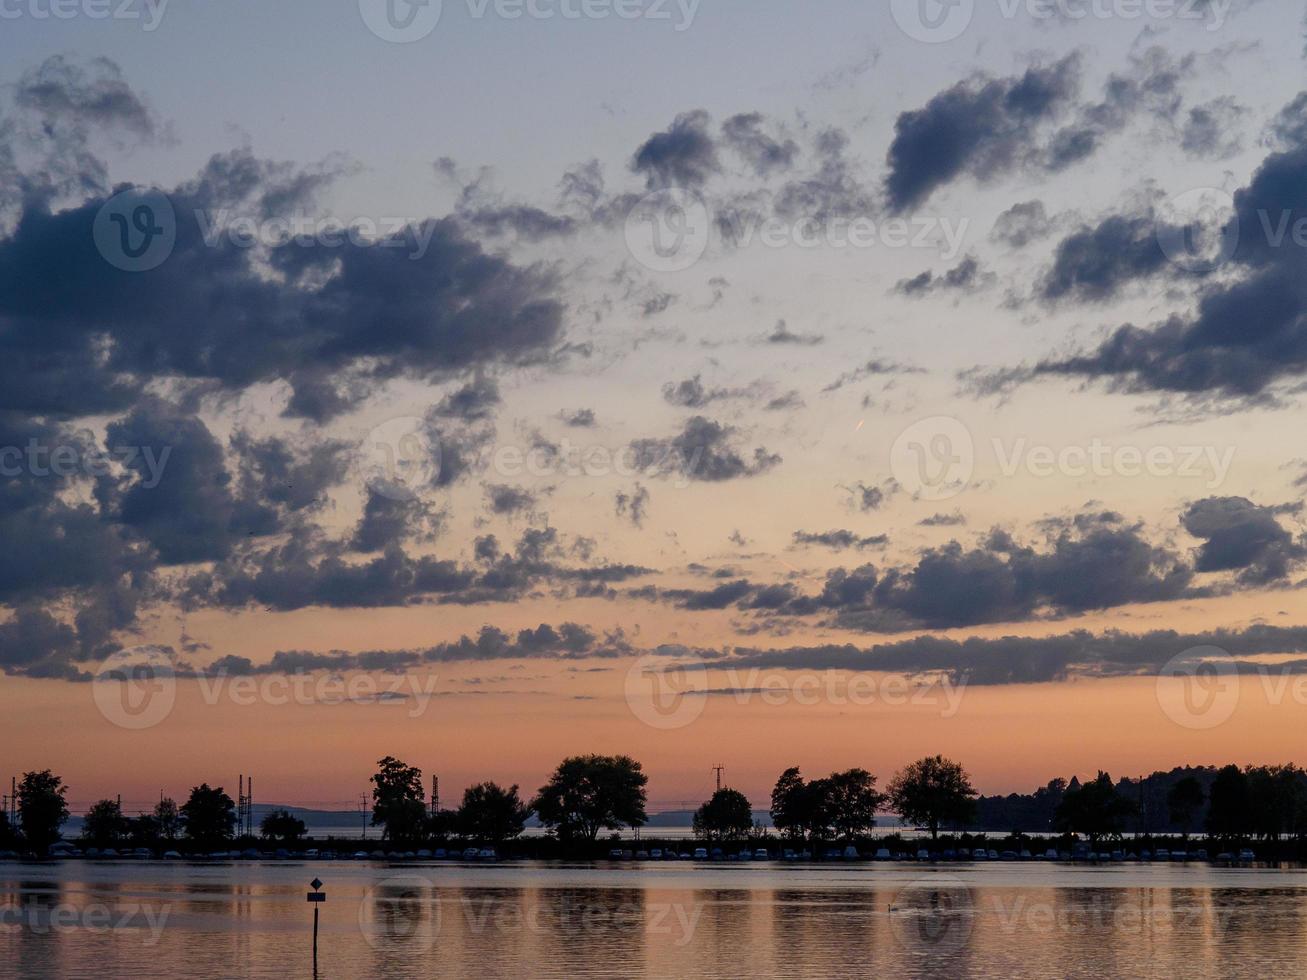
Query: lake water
(153,919)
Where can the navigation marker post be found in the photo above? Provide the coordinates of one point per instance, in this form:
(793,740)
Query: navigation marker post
(316,898)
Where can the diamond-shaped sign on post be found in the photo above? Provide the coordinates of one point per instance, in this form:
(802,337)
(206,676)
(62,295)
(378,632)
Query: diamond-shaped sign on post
(315,884)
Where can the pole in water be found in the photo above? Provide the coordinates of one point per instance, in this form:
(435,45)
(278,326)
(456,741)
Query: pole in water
(316,897)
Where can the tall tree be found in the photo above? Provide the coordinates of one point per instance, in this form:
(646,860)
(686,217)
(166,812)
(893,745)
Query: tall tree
(491,813)
(726,816)
(209,816)
(1096,809)
(104,824)
(1227,811)
(932,792)
(167,818)
(590,793)
(802,809)
(853,802)
(42,809)
(282,825)
(1183,801)
(398,801)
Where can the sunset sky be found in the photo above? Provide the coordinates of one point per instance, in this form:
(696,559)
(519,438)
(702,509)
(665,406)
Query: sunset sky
(960,362)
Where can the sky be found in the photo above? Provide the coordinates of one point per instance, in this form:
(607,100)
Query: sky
(744,383)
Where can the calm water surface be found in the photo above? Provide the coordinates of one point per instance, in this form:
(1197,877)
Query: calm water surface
(150,919)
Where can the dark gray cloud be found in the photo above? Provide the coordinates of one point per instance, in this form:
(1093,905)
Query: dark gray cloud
(96,94)
(943,520)
(1094,263)
(765,153)
(1212,130)
(704,450)
(840,540)
(1032,660)
(1249,330)
(1022,224)
(693,393)
(633,505)
(965,277)
(390,308)
(1241,536)
(783,335)
(475,401)
(581,418)
(980,128)
(567,641)
(509,500)
(389,520)
(684,155)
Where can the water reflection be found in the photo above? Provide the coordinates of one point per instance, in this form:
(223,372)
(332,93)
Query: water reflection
(583,922)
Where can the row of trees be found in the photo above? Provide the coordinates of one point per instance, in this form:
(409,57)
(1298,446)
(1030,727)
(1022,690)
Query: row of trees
(584,796)
(589,794)
(206,819)
(1268,802)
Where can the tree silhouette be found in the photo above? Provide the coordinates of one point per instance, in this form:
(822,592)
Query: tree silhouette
(1095,809)
(1184,800)
(209,816)
(726,816)
(104,824)
(398,802)
(42,809)
(491,813)
(590,793)
(167,818)
(282,825)
(932,792)
(852,801)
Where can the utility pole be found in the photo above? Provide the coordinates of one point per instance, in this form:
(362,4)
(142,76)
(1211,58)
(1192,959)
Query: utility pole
(363,812)
(718,769)
(435,795)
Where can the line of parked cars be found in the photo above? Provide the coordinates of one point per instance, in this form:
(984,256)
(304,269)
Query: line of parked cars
(63,849)
(1081,853)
